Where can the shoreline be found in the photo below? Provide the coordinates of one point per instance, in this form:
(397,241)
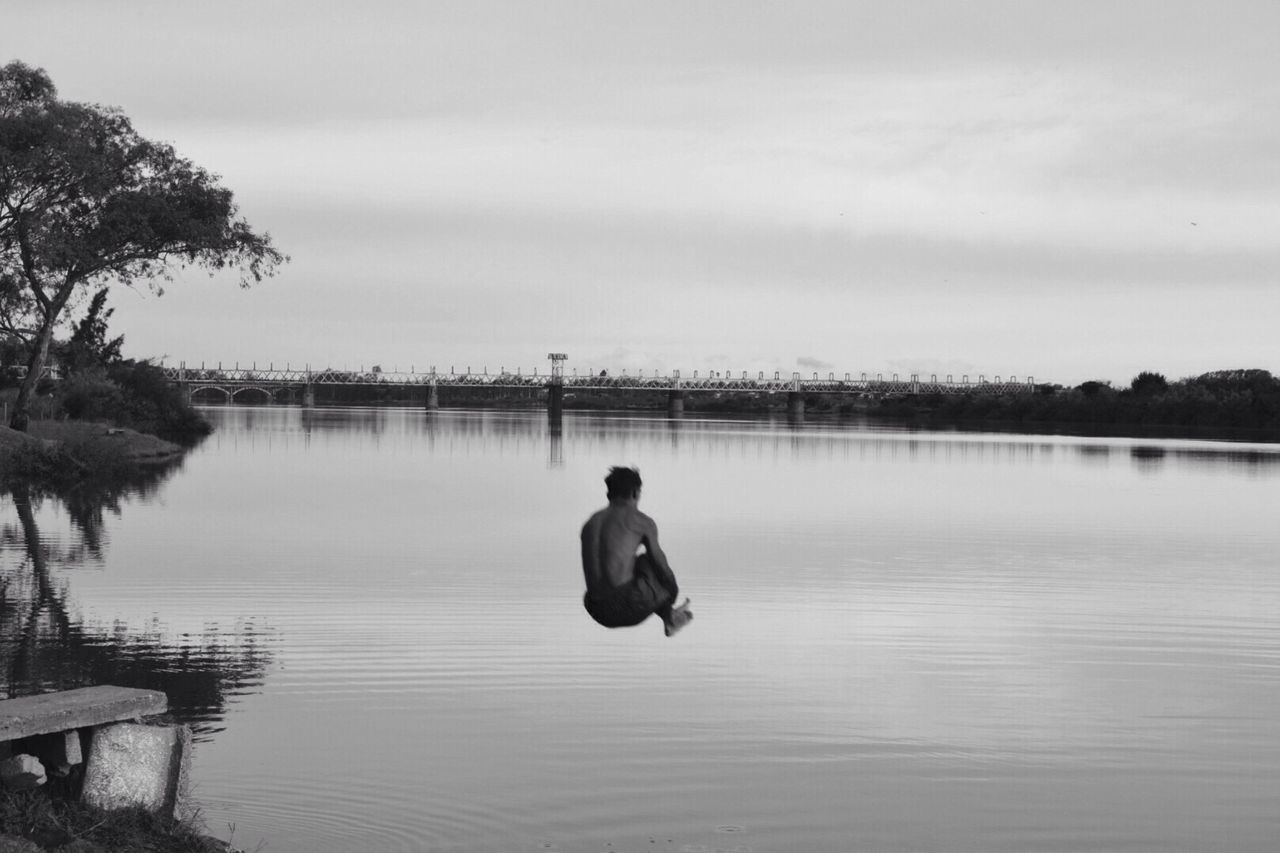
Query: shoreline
(1234,405)
(68,453)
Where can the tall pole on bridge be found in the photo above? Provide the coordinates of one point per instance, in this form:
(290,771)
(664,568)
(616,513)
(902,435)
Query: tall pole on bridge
(433,391)
(555,386)
(795,398)
(675,399)
(308,392)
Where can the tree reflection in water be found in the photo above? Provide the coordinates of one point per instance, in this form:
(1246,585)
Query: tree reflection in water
(43,648)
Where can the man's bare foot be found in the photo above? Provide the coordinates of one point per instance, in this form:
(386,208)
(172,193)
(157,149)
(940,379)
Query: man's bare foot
(680,616)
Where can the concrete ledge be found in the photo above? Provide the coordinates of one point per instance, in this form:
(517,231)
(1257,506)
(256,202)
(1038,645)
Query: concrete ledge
(76,709)
(138,765)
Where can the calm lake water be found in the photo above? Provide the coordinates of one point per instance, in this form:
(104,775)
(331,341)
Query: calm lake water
(904,641)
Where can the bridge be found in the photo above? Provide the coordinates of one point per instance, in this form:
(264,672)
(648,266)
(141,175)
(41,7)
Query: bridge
(299,384)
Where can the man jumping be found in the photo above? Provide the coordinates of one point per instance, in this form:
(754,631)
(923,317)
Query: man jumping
(623,587)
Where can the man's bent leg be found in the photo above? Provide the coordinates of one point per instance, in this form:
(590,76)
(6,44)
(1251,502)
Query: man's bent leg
(662,586)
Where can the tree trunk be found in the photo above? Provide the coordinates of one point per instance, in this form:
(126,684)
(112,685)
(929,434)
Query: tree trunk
(21,416)
(46,603)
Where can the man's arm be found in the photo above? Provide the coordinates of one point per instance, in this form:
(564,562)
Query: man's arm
(656,554)
(590,555)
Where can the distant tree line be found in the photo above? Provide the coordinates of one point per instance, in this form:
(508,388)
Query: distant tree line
(1246,399)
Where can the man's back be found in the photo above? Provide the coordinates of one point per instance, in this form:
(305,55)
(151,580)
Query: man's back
(610,539)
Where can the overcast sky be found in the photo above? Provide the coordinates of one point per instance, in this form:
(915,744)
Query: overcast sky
(1067,190)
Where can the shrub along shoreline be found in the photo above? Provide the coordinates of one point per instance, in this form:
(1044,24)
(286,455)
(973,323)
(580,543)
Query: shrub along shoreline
(105,420)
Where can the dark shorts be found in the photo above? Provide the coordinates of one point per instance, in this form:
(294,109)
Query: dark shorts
(631,603)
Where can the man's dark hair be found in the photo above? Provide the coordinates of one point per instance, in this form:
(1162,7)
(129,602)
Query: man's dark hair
(622,482)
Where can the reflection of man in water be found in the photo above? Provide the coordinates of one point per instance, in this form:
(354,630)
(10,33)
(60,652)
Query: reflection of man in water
(623,587)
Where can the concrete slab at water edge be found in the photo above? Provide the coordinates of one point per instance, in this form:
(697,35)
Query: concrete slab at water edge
(138,765)
(76,709)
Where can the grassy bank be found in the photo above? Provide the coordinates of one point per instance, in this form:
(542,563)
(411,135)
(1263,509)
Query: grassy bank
(51,819)
(63,452)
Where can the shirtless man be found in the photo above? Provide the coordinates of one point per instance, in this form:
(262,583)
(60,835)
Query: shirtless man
(623,587)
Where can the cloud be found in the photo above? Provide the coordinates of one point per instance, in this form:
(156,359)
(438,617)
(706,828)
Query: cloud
(928,367)
(980,187)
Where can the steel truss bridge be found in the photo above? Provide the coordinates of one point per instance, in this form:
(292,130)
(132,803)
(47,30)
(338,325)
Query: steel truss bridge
(290,383)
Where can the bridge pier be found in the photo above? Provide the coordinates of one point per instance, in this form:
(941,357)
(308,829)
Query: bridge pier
(675,403)
(555,400)
(309,397)
(555,443)
(433,397)
(795,404)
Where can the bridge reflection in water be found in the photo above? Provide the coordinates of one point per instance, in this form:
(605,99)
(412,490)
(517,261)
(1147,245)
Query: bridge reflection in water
(290,385)
(496,432)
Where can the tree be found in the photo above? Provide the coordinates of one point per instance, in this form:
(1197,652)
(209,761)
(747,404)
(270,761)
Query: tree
(89,345)
(1149,384)
(86,202)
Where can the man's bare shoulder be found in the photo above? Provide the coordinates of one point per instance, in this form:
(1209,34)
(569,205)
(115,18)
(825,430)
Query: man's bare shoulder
(595,520)
(645,523)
